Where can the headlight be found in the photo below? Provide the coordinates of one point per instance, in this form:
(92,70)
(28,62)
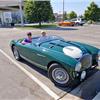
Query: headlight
(99,58)
(78,67)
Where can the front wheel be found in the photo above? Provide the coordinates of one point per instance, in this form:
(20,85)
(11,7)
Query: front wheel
(58,75)
(16,53)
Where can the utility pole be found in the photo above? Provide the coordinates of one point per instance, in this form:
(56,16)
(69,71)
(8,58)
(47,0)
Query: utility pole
(63,10)
(21,12)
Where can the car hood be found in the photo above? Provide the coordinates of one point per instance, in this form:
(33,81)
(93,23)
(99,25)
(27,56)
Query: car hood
(68,48)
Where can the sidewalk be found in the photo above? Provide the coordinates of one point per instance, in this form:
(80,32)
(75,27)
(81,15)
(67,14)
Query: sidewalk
(97,97)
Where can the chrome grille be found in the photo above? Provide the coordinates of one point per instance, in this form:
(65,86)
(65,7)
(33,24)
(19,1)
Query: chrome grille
(86,61)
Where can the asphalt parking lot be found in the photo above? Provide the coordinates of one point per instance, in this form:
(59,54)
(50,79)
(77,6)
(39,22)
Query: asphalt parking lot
(17,85)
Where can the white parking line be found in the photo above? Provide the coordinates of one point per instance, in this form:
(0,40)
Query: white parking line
(43,86)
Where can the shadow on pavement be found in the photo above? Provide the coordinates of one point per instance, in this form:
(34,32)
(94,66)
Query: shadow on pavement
(61,28)
(41,71)
(87,88)
(7,27)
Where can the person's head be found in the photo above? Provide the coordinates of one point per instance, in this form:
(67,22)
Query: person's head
(29,34)
(43,33)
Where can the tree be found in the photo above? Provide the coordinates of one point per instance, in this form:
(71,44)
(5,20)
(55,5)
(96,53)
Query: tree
(81,16)
(29,10)
(72,15)
(92,13)
(38,11)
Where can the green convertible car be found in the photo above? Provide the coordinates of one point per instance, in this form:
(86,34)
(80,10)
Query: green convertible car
(64,61)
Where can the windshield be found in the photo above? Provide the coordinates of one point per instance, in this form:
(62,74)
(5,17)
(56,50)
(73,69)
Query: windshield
(40,40)
(66,20)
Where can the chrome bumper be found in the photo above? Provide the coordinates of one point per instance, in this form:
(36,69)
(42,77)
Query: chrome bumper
(99,63)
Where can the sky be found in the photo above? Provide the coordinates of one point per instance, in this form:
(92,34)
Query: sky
(78,6)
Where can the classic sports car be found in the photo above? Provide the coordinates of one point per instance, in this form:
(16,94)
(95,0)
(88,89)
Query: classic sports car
(66,23)
(65,61)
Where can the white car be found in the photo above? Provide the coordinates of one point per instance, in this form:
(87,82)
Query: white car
(78,21)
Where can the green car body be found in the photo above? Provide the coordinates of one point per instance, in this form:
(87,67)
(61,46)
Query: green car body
(53,51)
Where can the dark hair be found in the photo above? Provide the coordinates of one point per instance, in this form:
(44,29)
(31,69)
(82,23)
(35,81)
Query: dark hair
(29,34)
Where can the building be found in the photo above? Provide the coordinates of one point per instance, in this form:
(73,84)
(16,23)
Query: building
(58,17)
(7,7)
(5,18)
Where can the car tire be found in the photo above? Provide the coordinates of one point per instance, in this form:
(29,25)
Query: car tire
(81,24)
(77,24)
(58,75)
(16,53)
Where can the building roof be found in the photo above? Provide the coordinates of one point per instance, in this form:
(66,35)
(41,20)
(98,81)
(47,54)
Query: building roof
(9,4)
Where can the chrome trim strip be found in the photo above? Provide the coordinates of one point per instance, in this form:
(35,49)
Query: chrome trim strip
(34,63)
(40,55)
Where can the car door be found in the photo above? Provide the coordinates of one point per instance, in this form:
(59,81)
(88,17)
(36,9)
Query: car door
(35,54)
(38,56)
(41,57)
(24,50)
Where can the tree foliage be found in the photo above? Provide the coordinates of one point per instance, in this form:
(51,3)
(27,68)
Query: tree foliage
(72,15)
(92,12)
(38,11)
(29,10)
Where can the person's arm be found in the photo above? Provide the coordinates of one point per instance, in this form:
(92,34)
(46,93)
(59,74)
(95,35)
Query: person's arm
(24,42)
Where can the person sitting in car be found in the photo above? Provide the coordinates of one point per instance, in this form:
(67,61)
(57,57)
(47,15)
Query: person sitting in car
(28,39)
(43,36)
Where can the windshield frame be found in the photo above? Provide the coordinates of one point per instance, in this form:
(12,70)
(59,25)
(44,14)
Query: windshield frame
(50,38)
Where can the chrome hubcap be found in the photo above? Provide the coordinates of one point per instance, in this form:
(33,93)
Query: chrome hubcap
(60,75)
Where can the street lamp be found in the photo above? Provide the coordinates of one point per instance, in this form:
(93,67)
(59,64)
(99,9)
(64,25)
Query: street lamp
(63,10)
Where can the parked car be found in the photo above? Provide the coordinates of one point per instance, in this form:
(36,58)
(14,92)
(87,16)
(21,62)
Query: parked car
(78,21)
(66,23)
(65,61)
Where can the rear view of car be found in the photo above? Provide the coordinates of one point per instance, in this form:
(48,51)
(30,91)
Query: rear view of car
(78,21)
